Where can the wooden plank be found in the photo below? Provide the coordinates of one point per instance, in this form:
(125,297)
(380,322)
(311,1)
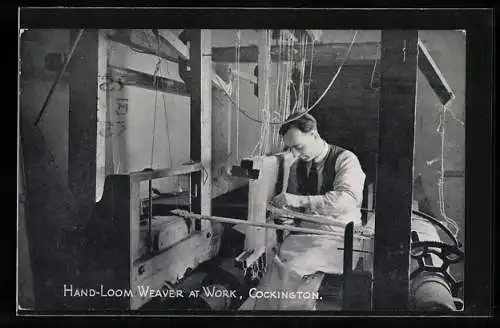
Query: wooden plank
(82,135)
(200,146)
(264,76)
(324,54)
(171,265)
(177,45)
(195,56)
(260,192)
(454,174)
(206,124)
(25,283)
(155,174)
(433,74)
(142,41)
(395,169)
(102,96)
(336,232)
(122,56)
(120,77)
(171,47)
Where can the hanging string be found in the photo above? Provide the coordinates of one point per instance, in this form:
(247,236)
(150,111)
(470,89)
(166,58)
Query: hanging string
(155,84)
(245,113)
(277,101)
(374,67)
(263,142)
(310,73)
(302,73)
(441,183)
(238,45)
(455,117)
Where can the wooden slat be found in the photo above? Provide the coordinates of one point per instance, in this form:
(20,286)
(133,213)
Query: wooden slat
(140,41)
(180,47)
(171,264)
(82,137)
(155,174)
(433,74)
(395,169)
(200,146)
(264,76)
(206,123)
(102,97)
(264,226)
(454,174)
(124,76)
(171,48)
(324,54)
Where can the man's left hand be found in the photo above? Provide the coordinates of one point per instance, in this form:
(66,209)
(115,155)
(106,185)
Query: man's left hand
(286,199)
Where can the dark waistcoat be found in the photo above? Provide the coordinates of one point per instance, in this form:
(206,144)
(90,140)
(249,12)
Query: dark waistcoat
(297,179)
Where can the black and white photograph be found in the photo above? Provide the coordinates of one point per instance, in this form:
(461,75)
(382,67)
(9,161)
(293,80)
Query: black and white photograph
(247,170)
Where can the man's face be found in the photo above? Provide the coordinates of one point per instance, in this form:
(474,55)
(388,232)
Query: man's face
(301,144)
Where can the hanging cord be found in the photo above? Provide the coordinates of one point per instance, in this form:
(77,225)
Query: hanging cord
(441,184)
(155,84)
(238,44)
(245,113)
(265,111)
(277,94)
(310,73)
(374,67)
(59,76)
(159,73)
(302,73)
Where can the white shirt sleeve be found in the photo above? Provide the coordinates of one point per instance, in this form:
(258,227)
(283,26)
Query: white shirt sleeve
(347,190)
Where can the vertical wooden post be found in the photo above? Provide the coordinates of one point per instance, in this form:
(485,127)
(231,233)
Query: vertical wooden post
(201,112)
(257,197)
(83,121)
(395,169)
(264,74)
(102,95)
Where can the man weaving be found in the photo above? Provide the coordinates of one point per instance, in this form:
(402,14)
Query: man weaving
(324,179)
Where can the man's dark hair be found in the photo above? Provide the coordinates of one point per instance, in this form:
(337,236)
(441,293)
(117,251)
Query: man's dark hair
(304,123)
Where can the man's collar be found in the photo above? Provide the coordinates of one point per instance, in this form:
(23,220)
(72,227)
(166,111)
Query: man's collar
(323,154)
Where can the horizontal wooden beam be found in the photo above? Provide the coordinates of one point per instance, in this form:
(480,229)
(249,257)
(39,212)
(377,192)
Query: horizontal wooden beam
(190,215)
(454,174)
(171,48)
(142,41)
(120,77)
(180,47)
(322,54)
(155,174)
(433,74)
